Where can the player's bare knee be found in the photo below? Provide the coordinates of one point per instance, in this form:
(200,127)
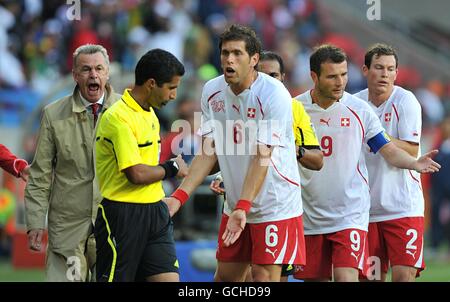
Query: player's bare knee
(260,274)
(403,274)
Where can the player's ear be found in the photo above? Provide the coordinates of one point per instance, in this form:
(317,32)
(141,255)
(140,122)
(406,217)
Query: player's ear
(254,60)
(365,70)
(314,77)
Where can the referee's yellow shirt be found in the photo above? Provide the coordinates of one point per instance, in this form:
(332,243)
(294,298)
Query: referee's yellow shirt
(305,135)
(127,135)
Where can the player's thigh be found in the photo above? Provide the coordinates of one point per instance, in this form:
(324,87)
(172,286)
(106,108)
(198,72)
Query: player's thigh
(318,259)
(377,262)
(345,274)
(240,251)
(404,241)
(231,271)
(402,273)
(266,272)
(349,249)
(278,242)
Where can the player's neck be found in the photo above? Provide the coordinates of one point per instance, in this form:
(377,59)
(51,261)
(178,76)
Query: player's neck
(379,98)
(321,101)
(246,83)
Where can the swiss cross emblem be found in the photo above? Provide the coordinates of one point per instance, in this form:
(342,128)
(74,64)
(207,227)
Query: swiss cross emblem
(387,117)
(251,112)
(345,122)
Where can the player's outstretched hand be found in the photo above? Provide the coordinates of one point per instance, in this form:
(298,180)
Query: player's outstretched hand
(234,228)
(173,204)
(426,165)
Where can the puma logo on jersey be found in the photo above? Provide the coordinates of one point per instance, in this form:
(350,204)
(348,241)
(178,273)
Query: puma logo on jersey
(354,255)
(270,252)
(325,122)
(413,254)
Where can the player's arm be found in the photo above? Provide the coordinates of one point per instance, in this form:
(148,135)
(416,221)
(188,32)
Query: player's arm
(201,166)
(253,181)
(400,158)
(409,125)
(411,147)
(256,173)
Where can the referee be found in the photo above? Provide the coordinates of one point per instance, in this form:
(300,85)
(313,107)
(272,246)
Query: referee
(133,229)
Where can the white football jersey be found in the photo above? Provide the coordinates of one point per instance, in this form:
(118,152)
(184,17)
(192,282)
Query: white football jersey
(394,192)
(261,114)
(337,197)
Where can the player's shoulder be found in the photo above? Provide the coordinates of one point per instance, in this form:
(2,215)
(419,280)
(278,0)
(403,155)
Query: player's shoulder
(403,96)
(355,103)
(216,84)
(266,85)
(304,98)
(363,94)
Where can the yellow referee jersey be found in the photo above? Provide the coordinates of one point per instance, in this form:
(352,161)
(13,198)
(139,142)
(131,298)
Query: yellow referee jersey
(127,135)
(305,135)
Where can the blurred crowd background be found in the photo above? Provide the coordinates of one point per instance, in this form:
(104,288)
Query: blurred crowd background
(37,39)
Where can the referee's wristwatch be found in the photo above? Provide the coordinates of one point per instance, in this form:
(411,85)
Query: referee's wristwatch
(175,164)
(301,153)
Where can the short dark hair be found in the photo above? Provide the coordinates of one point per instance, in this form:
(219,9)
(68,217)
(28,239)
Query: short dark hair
(159,65)
(268,55)
(237,32)
(379,49)
(324,53)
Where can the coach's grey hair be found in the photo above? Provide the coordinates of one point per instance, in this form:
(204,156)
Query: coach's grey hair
(89,49)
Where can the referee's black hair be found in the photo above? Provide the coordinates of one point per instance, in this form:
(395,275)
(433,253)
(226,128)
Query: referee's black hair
(159,65)
(268,55)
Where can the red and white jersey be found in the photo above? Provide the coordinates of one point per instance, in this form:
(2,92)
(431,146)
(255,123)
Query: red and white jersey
(395,193)
(337,197)
(261,114)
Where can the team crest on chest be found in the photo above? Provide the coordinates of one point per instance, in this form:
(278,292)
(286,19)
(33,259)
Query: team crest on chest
(387,117)
(345,122)
(251,112)
(218,106)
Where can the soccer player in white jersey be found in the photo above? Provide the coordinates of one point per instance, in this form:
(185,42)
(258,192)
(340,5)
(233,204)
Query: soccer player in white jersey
(397,205)
(262,220)
(308,150)
(336,199)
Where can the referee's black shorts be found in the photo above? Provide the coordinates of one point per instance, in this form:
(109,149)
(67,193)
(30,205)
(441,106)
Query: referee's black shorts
(134,241)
